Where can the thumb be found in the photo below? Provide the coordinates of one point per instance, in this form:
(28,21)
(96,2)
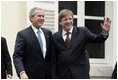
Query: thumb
(101,25)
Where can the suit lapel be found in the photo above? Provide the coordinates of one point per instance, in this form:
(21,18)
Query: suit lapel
(35,41)
(74,36)
(60,39)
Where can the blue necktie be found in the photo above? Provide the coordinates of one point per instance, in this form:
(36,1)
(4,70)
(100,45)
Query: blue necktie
(40,40)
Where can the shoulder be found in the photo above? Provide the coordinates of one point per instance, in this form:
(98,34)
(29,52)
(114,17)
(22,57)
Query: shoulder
(79,28)
(82,28)
(23,34)
(25,31)
(45,29)
(56,33)
(3,39)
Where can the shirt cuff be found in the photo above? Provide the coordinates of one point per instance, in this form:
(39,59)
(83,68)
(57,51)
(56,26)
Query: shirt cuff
(22,72)
(105,35)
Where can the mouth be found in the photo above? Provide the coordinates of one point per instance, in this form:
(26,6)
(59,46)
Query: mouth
(68,25)
(41,21)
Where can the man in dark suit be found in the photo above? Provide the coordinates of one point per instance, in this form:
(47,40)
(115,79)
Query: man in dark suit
(69,59)
(114,73)
(32,48)
(6,66)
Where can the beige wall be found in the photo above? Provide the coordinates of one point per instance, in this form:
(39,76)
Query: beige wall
(13,19)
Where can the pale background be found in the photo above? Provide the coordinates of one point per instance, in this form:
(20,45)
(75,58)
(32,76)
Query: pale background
(14,17)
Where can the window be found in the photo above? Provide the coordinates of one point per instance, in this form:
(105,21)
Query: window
(95,9)
(95,50)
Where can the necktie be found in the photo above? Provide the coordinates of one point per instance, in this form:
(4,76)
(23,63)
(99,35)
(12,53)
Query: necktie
(40,39)
(67,39)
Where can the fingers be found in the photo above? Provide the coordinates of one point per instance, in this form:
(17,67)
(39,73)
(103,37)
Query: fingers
(107,20)
(106,24)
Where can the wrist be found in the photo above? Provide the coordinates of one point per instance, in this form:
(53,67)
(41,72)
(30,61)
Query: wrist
(105,34)
(23,75)
(22,72)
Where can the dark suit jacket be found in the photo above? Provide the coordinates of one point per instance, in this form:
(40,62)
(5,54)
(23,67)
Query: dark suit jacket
(6,67)
(72,62)
(114,74)
(28,55)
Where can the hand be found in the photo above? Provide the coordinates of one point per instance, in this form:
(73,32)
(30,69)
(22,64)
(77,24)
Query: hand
(23,76)
(9,76)
(106,25)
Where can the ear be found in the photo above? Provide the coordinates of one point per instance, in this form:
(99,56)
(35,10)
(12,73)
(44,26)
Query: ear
(60,23)
(30,18)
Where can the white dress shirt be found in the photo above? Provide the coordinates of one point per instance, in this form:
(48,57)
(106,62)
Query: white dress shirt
(64,33)
(42,37)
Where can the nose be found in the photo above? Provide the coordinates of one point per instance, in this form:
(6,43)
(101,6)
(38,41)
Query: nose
(42,17)
(68,20)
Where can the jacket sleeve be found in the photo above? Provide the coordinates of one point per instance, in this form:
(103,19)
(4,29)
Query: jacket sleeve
(18,53)
(92,38)
(8,64)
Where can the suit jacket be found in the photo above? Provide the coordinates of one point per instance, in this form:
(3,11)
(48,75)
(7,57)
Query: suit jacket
(6,67)
(114,73)
(72,62)
(28,55)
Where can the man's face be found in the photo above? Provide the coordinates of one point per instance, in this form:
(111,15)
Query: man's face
(67,22)
(38,18)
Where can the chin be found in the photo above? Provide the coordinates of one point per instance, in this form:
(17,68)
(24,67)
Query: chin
(40,25)
(69,27)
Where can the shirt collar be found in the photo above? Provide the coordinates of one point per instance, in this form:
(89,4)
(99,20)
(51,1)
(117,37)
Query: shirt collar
(35,29)
(64,32)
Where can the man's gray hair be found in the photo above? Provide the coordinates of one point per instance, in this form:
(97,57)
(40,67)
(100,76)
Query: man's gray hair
(31,13)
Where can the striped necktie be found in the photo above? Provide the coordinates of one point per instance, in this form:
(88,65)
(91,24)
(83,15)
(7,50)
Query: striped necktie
(67,40)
